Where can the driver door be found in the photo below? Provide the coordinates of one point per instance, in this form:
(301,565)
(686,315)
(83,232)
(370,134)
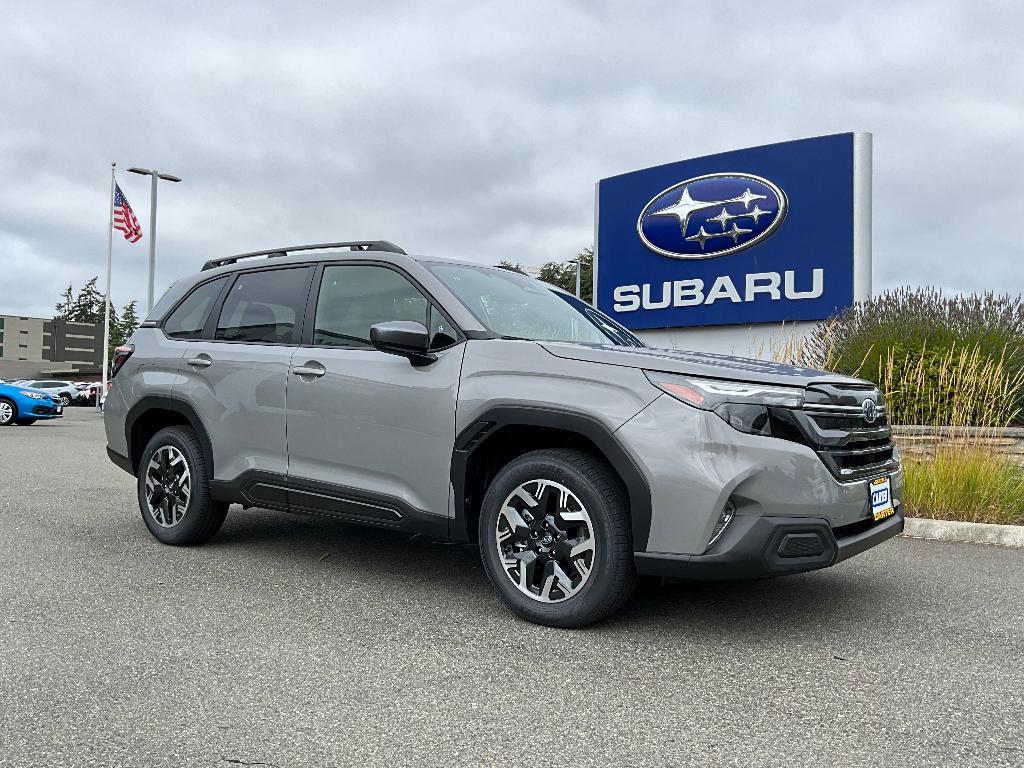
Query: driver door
(369,435)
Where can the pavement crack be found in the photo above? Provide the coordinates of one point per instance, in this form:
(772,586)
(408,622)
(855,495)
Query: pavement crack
(236,761)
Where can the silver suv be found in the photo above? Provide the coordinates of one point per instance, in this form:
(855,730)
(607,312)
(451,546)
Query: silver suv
(475,404)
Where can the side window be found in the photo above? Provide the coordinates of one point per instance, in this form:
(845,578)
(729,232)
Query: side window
(264,307)
(189,319)
(354,297)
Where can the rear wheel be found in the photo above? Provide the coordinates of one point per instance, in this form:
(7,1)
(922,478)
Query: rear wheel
(8,412)
(555,538)
(174,489)
(65,399)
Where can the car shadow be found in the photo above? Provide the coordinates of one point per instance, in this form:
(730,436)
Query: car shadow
(428,570)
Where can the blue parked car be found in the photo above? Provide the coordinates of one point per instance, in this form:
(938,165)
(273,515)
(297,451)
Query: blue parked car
(24,405)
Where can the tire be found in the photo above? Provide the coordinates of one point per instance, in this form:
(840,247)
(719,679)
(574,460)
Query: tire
(25,422)
(178,518)
(65,400)
(8,412)
(585,487)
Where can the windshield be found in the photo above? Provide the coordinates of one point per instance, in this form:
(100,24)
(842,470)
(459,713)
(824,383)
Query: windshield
(515,306)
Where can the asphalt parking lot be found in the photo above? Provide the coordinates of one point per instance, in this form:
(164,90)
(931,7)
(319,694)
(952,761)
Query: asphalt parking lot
(297,641)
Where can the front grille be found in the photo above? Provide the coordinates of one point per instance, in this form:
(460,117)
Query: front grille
(44,410)
(848,423)
(833,424)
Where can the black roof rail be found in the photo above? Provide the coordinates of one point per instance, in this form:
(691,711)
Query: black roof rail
(352,245)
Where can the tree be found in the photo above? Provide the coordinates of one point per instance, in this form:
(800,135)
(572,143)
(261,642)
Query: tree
(563,274)
(88,305)
(67,301)
(129,321)
(121,330)
(506,264)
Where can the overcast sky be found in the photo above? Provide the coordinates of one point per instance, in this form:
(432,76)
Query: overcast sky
(477,130)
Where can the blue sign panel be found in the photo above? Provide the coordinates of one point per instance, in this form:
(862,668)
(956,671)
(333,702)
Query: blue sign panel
(752,236)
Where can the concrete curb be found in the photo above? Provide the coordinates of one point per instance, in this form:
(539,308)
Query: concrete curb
(976,533)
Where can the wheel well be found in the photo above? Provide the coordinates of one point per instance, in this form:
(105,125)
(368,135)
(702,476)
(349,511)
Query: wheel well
(505,444)
(148,424)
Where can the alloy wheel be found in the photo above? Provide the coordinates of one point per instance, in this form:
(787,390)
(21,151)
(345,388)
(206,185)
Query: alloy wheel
(546,541)
(6,412)
(168,486)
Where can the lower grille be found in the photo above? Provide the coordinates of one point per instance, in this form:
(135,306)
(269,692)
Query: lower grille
(44,410)
(801,545)
(858,462)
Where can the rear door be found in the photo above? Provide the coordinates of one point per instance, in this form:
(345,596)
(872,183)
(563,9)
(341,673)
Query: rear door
(369,435)
(236,377)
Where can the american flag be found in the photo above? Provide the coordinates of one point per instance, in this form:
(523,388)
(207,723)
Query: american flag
(124,217)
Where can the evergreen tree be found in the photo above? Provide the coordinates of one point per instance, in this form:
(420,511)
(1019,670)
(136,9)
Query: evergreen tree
(129,321)
(88,305)
(67,301)
(506,264)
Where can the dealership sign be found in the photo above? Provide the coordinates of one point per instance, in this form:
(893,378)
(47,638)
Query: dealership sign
(766,234)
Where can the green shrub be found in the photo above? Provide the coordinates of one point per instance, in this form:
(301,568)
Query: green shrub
(940,360)
(965,483)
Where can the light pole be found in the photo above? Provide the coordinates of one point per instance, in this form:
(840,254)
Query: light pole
(578,267)
(154,176)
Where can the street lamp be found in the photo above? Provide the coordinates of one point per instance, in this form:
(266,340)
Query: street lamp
(154,175)
(578,267)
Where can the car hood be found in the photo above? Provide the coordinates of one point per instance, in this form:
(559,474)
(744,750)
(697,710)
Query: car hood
(698,364)
(12,389)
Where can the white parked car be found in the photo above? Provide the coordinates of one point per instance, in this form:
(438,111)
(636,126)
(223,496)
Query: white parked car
(65,390)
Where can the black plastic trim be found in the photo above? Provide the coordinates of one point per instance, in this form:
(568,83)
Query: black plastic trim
(166,403)
(121,461)
(353,245)
(492,420)
(749,549)
(258,488)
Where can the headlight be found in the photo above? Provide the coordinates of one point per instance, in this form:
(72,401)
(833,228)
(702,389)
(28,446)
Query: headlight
(740,404)
(34,395)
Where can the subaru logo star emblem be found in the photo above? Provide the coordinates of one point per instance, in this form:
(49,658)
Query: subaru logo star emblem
(712,215)
(869,410)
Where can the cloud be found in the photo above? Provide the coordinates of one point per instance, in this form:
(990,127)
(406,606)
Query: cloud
(478,130)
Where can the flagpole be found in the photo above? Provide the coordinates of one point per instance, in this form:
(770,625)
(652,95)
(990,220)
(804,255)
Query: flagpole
(106,321)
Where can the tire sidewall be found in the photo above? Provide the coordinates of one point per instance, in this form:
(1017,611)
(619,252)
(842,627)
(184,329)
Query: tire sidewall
(185,531)
(592,597)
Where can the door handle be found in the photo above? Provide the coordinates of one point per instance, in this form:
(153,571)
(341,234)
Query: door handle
(200,362)
(310,369)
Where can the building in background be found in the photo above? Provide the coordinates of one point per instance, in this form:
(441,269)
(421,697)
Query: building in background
(32,347)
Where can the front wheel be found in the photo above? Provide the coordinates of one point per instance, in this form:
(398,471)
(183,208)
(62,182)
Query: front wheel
(174,489)
(65,400)
(555,538)
(8,412)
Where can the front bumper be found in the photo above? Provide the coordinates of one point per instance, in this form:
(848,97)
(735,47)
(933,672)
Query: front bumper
(759,547)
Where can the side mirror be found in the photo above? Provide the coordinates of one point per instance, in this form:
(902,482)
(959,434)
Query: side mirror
(404,338)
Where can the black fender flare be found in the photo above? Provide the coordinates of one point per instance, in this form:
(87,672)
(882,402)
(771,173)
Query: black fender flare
(165,403)
(490,421)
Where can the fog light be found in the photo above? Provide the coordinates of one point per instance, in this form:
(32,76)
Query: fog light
(723,522)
